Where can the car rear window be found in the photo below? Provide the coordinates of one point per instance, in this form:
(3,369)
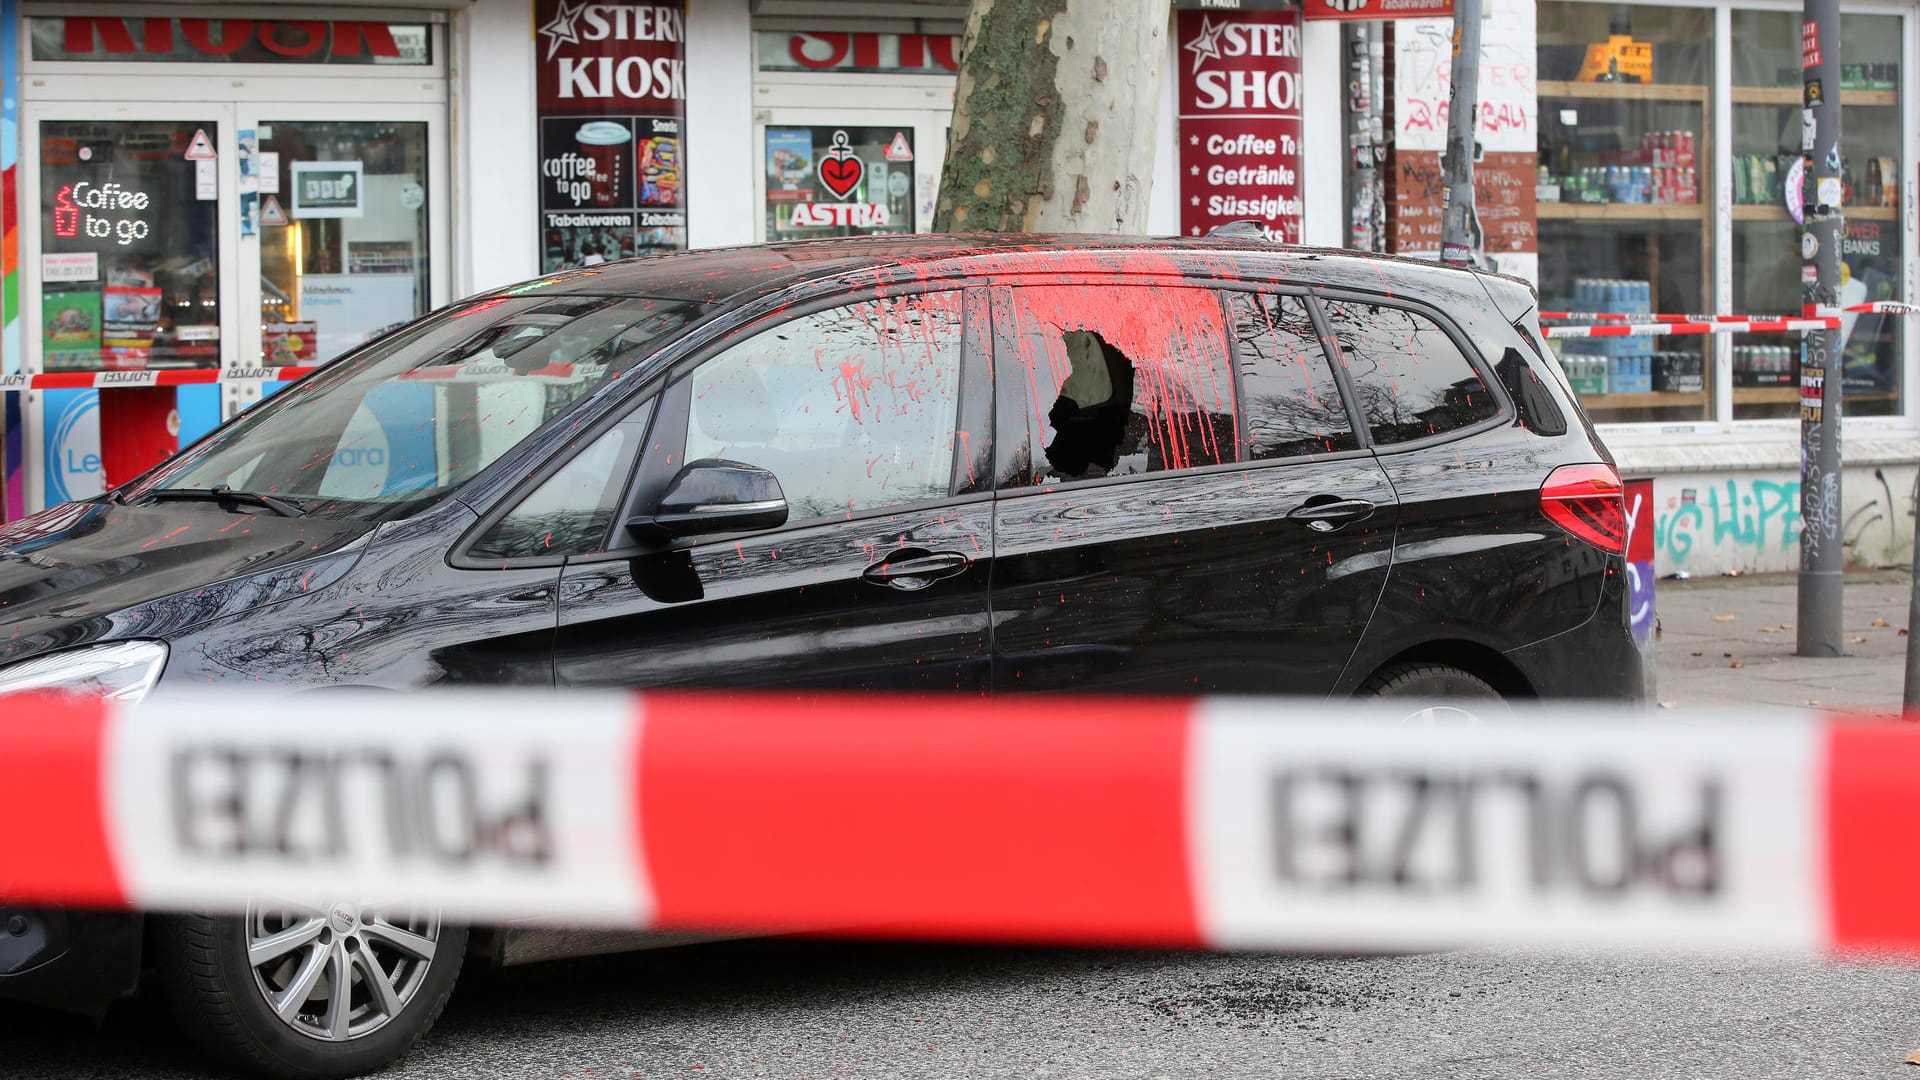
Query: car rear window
(1288,392)
(1411,380)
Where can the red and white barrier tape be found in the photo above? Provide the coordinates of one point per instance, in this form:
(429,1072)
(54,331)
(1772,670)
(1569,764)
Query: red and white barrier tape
(100,380)
(1883,307)
(1751,326)
(1218,823)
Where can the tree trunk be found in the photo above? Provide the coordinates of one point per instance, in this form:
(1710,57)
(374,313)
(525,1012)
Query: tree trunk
(1053,118)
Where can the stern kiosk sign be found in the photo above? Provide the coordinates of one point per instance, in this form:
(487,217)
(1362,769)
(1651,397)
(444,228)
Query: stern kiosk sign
(612,93)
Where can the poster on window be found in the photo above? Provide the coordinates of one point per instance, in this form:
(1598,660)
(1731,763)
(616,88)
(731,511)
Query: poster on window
(612,117)
(1239,90)
(839,181)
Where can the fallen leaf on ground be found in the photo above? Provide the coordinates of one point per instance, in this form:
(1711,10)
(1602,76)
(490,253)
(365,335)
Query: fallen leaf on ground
(1856,641)
(1699,654)
(1723,618)
(1736,663)
(1903,631)
(1914,1058)
(1769,629)
(1879,622)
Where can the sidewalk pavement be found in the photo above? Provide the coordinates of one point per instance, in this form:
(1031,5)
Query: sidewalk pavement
(1730,641)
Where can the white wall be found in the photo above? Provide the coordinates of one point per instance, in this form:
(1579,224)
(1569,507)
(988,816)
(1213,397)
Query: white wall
(721,157)
(496,219)
(1322,143)
(1163,202)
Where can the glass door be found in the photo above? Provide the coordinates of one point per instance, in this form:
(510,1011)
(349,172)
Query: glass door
(847,172)
(345,209)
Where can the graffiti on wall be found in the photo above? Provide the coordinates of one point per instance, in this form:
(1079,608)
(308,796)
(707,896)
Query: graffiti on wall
(1715,524)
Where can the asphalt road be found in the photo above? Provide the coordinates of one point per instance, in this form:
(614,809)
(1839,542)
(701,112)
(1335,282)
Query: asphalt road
(818,1010)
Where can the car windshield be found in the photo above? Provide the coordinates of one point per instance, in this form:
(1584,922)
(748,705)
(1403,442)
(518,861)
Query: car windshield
(410,418)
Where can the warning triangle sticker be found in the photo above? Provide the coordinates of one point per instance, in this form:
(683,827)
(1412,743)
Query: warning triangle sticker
(898,150)
(201,148)
(270,212)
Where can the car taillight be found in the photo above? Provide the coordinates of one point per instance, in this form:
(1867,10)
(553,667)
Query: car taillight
(1589,502)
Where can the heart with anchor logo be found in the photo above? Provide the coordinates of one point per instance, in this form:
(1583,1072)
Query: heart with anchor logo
(841,170)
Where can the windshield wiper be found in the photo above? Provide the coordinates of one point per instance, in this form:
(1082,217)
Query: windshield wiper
(224,494)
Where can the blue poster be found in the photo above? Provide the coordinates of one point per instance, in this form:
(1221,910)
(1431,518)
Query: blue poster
(71,445)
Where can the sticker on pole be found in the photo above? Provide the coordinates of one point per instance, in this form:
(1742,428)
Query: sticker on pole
(201,148)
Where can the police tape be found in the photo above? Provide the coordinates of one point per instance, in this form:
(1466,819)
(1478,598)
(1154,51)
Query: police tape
(1880,307)
(101,380)
(1652,329)
(1220,823)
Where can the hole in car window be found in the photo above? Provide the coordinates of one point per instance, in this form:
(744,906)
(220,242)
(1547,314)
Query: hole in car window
(1123,379)
(1290,397)
(851,408)
(571,513)
(409,419)
(1412,381)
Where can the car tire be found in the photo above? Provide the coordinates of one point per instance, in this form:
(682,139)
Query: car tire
(223,1002)
(1441,686)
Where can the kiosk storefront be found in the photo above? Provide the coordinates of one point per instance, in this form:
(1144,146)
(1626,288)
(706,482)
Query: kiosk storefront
(214,191)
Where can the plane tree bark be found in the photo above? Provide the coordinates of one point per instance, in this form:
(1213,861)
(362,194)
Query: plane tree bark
(1053,118)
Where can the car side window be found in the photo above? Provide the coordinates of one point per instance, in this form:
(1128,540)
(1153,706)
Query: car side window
(572,512)
(1288,392)
(1412,381)
(1122,379)
(851,409)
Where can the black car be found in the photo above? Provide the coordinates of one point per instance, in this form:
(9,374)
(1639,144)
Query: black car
(956,464)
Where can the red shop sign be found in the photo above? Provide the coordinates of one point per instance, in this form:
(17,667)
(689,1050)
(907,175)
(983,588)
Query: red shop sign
(610,58)
(1239,102)
(255,41)
(1377,9)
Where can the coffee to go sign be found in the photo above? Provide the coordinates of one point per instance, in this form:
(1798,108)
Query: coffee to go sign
(104,212)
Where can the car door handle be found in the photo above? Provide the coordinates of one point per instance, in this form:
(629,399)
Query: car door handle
(1330,514)
(909,569)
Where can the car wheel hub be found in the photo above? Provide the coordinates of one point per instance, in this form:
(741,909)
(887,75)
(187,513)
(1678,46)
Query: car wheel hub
(341,971)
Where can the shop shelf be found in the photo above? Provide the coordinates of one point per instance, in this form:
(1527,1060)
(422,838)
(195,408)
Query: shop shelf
(1791,95)
(1779,213)
(1547,211)
(1657,399)
(1616,91)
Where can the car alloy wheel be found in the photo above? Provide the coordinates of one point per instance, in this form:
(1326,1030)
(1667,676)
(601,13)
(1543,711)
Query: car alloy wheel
(339,972)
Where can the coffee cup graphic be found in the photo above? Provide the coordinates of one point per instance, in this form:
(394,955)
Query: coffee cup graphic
(604,143)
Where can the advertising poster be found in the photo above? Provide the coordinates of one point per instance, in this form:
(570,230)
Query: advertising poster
(70,330)
(290,344)
(839,181)
(1239,99)
(130,316)
(612,116)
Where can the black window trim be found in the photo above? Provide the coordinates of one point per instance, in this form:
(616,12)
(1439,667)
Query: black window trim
(1504,415)
(460,556)
(1363,438)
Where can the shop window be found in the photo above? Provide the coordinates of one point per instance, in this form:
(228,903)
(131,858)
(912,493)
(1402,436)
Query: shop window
(1767,93)
(1122,380)
(1409,377)
(1625,91)
(1292,403)
(839,181)
(343,234)
(128,268)
(851,409)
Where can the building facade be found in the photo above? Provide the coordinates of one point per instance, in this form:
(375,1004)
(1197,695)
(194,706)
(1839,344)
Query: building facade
(172,169)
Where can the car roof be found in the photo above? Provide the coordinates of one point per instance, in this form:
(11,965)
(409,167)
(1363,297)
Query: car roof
(730,275)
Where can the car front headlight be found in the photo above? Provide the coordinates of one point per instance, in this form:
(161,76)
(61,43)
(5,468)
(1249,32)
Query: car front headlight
(122,671)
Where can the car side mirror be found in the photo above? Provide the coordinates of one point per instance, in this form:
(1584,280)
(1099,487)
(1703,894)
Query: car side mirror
(714,496)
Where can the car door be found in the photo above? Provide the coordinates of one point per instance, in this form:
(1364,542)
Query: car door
(1184,504)
(874,416)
